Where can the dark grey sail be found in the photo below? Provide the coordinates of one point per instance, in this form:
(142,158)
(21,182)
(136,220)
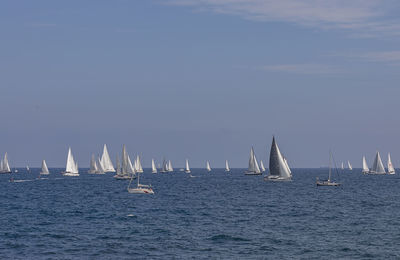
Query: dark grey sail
(278,168)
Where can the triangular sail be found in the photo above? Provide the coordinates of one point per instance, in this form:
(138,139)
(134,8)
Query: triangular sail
(262,167)
(349,165)
(131,169)
(170,169)
(164,166)
(93,165)
(253,164)
(105,161)
(377,167)
(208,167)
(342,167)
(365,166)
(277,165)
(187,168)
(153,166)
(138,165)
(44,170)
(71,166)
(227,169)
(100,169)
(6,165)
(390,166)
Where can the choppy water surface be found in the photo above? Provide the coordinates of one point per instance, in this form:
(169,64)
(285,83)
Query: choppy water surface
(216,215)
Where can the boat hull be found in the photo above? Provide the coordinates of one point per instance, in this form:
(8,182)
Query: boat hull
(327,183)
(123,177)
(252,173)
(70,174)
(276,178)
(140,190)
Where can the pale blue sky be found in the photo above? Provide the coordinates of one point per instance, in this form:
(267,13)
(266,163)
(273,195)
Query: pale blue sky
(203,80)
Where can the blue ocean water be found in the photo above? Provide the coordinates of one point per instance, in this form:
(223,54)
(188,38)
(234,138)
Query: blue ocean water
(216,215)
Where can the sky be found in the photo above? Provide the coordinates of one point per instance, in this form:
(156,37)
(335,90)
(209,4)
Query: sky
(199,79)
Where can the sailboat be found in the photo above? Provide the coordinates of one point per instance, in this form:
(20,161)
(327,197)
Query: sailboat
(278,169)
(349,166)
(106,162)
(170,169)
(4,165)
(227,169)
(253,169)
(45,170)
(28,170)
(365,168)
(138,165)
(342,167)
(262,168)
(390,165)
(208,168)
(377,167)
(71,169)
(153,166)
(187,168)
(328,182)
(164,167)
(127,171)
(100,169)
(140,188)
(93,165)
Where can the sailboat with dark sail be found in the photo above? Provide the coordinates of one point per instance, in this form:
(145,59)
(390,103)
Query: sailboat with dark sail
(278,167)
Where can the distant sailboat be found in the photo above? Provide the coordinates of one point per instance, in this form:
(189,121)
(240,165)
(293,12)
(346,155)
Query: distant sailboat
(100,169)
(127,170)
(328,182)
(164,167)
(390,166)
(365,168)
(187,168)
(377,167)
(138,165)
(93,165)
(4,165)
(208,167)
(71,168)
(170,169)
(342,167)
(28,170)
(45,170)
(253,169)
(227,169)
(278,169)
(349,166)
(106,162)
(153,166)
(262,168)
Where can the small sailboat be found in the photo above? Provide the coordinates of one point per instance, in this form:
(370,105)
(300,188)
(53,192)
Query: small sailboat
(262,168)
(4,165)
(278,167)
(45,170)
(328,182)
(227,169)
(342,167)
(390,165)
(153,166)
(164,167)
(170,169)
(71,169)
(28,170)
(138,165)
(365,168)
(187,168)
(349,166)
(140,188)
(105,161)
(127,171)
(253,169)
(377,167)
(100,169)
(208,167)
(93,165)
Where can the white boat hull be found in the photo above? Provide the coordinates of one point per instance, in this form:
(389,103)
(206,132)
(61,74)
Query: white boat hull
(141,190)
(276,178)
(253,173)
(70,174)
(327,183)
(123,177)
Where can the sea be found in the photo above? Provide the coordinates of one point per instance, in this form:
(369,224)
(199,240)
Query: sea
(216,215)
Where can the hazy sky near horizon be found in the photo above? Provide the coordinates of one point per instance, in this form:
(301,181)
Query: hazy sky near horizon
(199,79)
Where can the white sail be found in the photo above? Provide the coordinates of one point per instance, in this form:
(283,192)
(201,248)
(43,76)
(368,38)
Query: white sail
(5,166)
(342,167)
(287,165)
(365,166)
(138,165)
(377,167)
(100,169)
(131,169)
(253,164)
(262,168)
(105,161)
(153,166)
(44,170)
(187,168)
(278,168)
(390,165)
(349,166)
(71,168)
(164,167)
(170,169)
(208,167)
(93,165)
(227,169)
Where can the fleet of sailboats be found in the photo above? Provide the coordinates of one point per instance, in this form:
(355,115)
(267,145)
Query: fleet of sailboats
(278,167)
